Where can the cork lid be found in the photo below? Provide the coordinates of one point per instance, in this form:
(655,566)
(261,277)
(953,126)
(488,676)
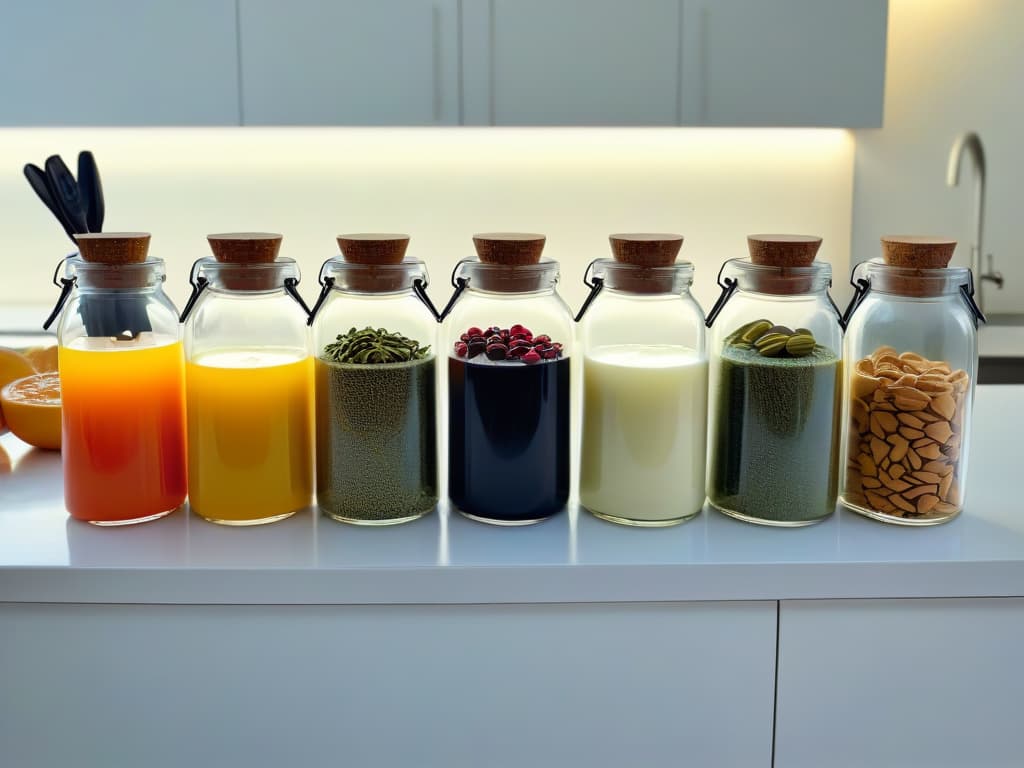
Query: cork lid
(783,250)
(245,247)
(373,248)
(646,249)
(113,247)
(917,252)
(509,248)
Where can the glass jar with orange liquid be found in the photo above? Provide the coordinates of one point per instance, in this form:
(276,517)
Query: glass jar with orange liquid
(122,376)
(250,385)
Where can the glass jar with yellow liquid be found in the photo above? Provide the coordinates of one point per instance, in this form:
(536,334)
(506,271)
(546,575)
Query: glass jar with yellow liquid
(249,381)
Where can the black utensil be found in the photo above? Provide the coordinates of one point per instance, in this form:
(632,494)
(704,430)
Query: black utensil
(65,190)
(41,185)
(91,190)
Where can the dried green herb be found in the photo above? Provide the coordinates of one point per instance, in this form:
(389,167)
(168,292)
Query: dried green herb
(372,347)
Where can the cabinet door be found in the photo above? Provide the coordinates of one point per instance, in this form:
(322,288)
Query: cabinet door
(349,62)
(784,62)
(118,62)
(571,62)
(485,686)
(900,683)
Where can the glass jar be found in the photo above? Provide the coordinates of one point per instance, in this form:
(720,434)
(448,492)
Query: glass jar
(775,389)
(376,386)
(645,384)
(250,393)
(509,338)
(911,353)
(122,379)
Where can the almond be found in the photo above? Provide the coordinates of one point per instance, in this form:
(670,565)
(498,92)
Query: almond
(902,503)
(868,467)
(927,477)
(910,433)
(926,503)
(910,420)
(919,490)
(930,451)
(944,484)
(939,431)
(944,406)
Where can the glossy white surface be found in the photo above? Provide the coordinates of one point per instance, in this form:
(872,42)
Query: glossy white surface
(45,557)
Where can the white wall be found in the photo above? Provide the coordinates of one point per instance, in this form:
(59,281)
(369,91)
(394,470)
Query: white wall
(953,66)
(439,185)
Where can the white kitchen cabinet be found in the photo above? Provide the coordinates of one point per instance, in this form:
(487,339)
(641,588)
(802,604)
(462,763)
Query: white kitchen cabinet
(118,62)
(349,62)
(594,686)
(674,62)
(900,683)
(784,62)
(571,62)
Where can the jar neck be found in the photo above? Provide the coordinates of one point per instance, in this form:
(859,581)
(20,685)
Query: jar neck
(371,279)
(510,279)
(89,277)
(912,282)
(778,281)
(629,279)
(259,278)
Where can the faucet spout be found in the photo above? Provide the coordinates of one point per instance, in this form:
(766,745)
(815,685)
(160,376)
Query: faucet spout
(970,144)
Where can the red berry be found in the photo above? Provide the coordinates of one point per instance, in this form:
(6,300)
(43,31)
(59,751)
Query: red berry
(464,337)
(542,339)
(474,331)
(497,351)
(477,348)
(517,351)
(531,357)
(461,348)
(550,353)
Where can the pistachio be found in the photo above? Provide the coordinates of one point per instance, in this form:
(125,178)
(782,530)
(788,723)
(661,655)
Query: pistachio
(771,344)
(752,331)
(800,344)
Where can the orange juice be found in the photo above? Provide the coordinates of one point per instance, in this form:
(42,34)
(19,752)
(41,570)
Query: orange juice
(250,434)
(123,428)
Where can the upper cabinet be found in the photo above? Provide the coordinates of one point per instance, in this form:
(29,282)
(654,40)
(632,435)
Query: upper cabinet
(443,62)
(349,62)
(118,62)
(674,62)
(784,62)
(571,62)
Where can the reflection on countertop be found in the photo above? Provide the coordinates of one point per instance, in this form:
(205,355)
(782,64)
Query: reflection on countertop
(445,557)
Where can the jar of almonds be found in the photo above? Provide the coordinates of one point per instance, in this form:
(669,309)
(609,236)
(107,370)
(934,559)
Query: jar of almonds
(911,358)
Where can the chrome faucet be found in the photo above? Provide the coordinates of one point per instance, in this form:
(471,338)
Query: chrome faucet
(970,143)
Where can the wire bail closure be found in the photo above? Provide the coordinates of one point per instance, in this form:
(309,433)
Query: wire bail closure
(862,287)
(595,284)
(459,284)
(728,286)
(66,284)
(199,284)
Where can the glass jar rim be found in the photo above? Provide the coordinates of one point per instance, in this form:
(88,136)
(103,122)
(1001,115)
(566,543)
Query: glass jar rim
(912,281)
(246,277)
(349,277)
(775,280)
(634,278)
(507,278)
(96,275)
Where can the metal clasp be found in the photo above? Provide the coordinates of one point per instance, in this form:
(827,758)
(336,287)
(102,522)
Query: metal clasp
(66,284)
(595,284)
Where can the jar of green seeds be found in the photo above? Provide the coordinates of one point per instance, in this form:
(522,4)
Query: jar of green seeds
(376,384)
(775,350)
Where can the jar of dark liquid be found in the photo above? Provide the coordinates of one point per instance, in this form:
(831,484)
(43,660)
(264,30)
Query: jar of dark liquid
(911,359)
(374,337)
(774,395)
(508,339)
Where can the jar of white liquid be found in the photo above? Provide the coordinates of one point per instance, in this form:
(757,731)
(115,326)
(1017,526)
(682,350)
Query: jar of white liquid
(645,384)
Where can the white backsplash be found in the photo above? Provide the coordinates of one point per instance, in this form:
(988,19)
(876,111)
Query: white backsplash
(440,185)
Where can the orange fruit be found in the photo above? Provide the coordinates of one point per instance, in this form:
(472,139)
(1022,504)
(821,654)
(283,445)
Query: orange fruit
(13,365)
(43,359)
(32,408)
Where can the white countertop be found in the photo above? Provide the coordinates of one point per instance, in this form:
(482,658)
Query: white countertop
(47,557)
(1001,341)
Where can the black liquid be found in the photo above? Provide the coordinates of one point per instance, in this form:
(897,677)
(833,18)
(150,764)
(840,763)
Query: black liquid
(508,451)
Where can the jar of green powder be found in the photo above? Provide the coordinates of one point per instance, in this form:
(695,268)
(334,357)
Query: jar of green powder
(776,350)
(376,384)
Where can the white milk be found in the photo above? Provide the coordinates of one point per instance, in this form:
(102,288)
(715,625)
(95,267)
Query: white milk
(644,432)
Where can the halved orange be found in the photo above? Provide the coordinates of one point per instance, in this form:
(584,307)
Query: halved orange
(43,359)
(31,406)
(13,365)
